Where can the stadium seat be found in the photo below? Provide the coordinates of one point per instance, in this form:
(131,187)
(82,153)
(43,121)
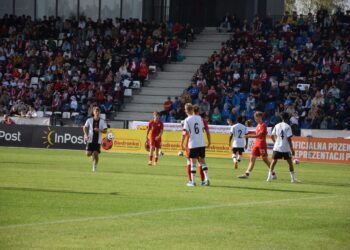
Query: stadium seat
(40,114)
(152,69)
(47,113)
(74,114)
(128,92)
(103,116)
(65,115)
(136,85)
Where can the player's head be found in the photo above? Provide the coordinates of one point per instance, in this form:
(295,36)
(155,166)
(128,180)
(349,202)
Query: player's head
(240,119)
(96,111)
(258,116)
(248,123)
(156,116)
(189,108)
(285,116)
(196,109)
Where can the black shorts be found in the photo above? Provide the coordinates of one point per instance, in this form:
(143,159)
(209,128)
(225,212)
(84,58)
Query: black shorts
(281,155)
(197,152)
(239,150)
(93,147)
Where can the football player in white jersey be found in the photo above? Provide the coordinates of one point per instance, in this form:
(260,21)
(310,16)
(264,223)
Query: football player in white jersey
(93,129)
(237,132)
(194,125)
(283,148)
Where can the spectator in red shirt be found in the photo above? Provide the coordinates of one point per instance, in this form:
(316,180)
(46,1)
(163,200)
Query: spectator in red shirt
(143,70)
(8,121)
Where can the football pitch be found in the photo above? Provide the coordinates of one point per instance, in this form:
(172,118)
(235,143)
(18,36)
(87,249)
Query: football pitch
(50,199)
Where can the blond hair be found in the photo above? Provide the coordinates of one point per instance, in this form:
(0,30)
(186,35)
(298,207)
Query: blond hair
(258,114)
(196,109)
(189,107)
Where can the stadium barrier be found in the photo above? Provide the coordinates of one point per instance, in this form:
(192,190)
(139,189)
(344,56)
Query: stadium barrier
(332,150)
(41,137)
(306,149)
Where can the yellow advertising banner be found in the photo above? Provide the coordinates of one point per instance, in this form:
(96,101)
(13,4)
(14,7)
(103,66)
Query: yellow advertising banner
(306,149)
(133,141)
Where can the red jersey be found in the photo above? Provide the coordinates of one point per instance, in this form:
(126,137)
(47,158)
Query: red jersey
(155,128)
(261,141)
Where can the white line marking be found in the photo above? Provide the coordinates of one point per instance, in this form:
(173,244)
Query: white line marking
(152,212)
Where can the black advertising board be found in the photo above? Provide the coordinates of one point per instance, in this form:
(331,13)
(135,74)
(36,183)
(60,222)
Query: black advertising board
(41,136)
(15,135)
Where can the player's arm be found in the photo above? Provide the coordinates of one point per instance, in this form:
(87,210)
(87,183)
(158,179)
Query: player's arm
(273,138)
(291,145)
(230,139)
(86,130)
(86,133)
(206,128)
(104,127)
(208,137)
(254,136)
(185,130)
(147,132)
(183,136)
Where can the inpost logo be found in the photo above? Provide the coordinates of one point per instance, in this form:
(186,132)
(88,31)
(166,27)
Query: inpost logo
(51,137)
(14,137)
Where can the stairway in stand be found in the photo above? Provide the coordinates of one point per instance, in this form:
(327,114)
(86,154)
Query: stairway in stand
(174,79)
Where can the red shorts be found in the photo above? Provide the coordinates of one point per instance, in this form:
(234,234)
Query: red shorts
(259,151)
(155,143)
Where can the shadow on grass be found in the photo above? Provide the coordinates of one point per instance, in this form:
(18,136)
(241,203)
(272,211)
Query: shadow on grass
(53,191)
(22,162)
(268,189)
(316,183)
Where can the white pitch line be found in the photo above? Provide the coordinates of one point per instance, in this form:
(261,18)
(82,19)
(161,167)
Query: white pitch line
(152,212)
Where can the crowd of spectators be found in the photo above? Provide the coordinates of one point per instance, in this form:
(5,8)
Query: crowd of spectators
(299,64)
(69,65)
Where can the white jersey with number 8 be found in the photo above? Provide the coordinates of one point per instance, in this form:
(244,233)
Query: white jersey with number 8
(195,126)
(282,131)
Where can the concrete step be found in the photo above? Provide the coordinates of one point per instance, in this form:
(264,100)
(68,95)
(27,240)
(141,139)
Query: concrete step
(166,75)
(199,52)
(213,38)
(149,99)
(181,67)
(138,107)
(134,116)
(162,91)
(215,32)
(209,28)
(196,59)
(204,45)
(173,83)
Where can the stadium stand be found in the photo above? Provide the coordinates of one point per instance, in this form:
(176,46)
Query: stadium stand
(65,66)
(298,64)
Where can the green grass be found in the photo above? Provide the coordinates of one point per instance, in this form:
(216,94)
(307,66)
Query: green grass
(50,199)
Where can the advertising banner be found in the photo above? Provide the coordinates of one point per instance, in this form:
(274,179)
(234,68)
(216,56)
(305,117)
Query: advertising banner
(41,136)
(15,135)
(133,141)
(58,137)
(332,150)
(306,149)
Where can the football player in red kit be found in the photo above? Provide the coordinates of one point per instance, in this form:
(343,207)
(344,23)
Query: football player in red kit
(155,130)
(260,146)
